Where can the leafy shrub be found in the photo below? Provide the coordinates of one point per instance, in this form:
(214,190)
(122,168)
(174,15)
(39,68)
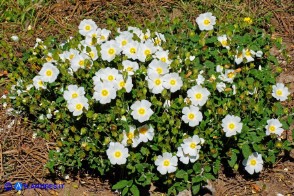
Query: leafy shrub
(147,107)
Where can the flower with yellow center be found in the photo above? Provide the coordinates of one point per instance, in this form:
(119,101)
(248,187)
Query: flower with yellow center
(155,83)
(124,38)
(49,72)
(172,81)
(198,95)
(121,83)
(248,54)
(87,26)
(76,106)
(206,21)
(73,92)
(79,61)
(109,50)
(186,158)
(232,125)
(274,126)
(145,49)
(131,50)
(224,41)
(131,137)
(229,76)
(167,163)
(38,83)
(280,92)
(191,145)
(117,153)
(130,66)
(104,92)
(163,56)
(253,163)
(141,110)
(146,132)
(157,67)
(192,115)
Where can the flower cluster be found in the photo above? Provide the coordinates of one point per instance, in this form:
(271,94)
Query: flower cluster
(151,101)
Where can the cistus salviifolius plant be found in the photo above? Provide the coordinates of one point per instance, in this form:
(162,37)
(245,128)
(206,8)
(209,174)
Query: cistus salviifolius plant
(166,106)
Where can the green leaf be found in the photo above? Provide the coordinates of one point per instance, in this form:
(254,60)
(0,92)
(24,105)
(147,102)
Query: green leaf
(197,167)
(195,189)
(134,189)
(121,184)
(233,160)
(246,150)
(125,191)
(181,173)
(209,176)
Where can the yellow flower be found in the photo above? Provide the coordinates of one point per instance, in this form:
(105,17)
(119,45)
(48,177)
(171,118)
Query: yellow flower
(248,20)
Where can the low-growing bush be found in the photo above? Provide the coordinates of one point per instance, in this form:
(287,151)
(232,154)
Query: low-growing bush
(166,105)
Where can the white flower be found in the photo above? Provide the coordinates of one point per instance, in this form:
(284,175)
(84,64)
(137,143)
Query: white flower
(167,163)
(280,92)
(141,110)
(172,81)
(248,54)
(109,49)
(93,54)
(121,83)
(131,50)
(49,58)
(158,67)
(124,38)
(228,76)
(73,92)
(155,83)
(206,21)
(198,95)
(117,153)
(232,125)
(254,163)
(15,38)
(192,116)
(38,82)
(70,54)
(185,158)
(144,50)
(76,105)
(104,92)
(191,58)
(130,67)
(159,39)
(49,72)
(239,58)
(103,35)
(274,127)
(107,75)
(224,41)
(93,34)
(259,54)
(87,26)
(162,56)
(200,79)
(219,68)
(79,61)
(220,86)
(145,36)
(191,145)
(146,132)
(134,139)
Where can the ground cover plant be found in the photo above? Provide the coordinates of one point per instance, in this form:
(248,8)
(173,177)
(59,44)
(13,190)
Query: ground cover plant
(198,99)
